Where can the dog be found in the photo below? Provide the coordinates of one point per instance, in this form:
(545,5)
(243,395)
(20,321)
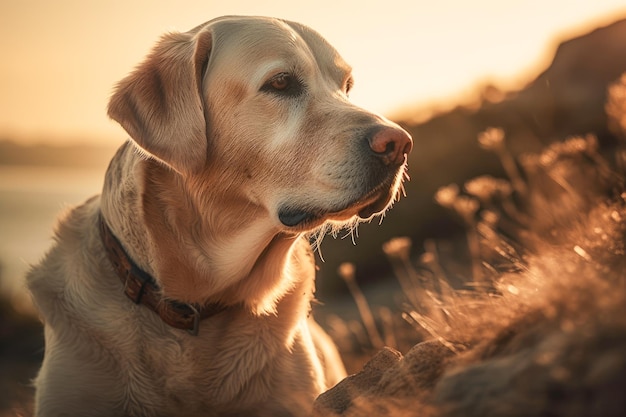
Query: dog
(185,288)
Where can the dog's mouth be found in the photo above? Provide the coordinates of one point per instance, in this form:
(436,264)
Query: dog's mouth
(370,204)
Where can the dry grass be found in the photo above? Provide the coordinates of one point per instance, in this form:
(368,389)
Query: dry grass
(537,323)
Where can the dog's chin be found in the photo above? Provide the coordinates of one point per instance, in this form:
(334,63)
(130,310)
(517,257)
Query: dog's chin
(363,208)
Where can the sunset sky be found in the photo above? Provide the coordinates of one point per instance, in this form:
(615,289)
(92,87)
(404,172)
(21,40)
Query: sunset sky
(61,58)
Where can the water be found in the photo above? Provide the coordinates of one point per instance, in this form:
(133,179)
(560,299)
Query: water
(31,199)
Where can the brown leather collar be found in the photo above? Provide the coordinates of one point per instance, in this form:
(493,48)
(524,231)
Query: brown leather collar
(141,288)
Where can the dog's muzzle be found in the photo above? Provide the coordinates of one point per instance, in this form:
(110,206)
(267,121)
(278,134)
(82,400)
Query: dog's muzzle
(383,152)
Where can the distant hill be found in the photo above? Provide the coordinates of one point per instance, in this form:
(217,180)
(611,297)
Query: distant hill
(84,156)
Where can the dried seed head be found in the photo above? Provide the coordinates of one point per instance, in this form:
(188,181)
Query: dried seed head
(446,196)
(492,139)
(487,187)
(466,207)
(347,271)
(399,247)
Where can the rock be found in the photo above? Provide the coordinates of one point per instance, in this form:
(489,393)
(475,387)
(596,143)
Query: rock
(387,382)
(339,398)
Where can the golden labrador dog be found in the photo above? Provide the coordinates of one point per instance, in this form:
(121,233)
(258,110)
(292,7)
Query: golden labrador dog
(185,288)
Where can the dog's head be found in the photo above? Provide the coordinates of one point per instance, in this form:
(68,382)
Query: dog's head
(257,109)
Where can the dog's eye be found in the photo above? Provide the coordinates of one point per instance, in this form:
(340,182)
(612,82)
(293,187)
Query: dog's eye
(283,84)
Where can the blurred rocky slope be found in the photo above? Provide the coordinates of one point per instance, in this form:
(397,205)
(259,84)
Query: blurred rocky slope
(567,99)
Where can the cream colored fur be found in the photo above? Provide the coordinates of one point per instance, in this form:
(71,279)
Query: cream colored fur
(196,199)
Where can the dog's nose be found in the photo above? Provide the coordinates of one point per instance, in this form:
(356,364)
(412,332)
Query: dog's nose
(390,144)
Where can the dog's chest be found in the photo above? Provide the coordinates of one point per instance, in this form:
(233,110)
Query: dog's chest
(231,361)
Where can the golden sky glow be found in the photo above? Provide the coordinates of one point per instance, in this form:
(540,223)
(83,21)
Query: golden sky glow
(61,58)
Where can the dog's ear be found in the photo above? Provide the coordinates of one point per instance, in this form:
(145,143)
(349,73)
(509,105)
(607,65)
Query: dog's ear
(161,103)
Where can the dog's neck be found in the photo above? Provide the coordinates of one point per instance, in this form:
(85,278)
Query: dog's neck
(194,257)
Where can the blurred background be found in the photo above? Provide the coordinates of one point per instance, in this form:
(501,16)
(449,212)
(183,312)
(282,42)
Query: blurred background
(445,70)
